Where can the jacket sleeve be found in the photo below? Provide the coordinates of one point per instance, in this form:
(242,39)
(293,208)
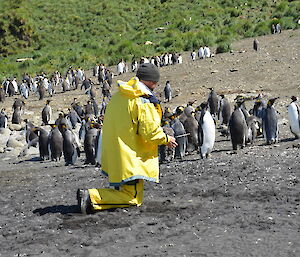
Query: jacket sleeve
(149,125)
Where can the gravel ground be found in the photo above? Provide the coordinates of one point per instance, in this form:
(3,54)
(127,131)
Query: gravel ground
(243,204)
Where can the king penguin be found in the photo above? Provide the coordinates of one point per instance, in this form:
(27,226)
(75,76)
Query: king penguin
(206,131)
(181,138)
(191,127)
(270,123)
(168,92)
(238,127)
(213,103)
(2,94)
(43,143)
(16,117)
(55,143)
(70,146)
(3,119)
(294,117)
(90,145)
(224,110)
(46,113)
(165,153)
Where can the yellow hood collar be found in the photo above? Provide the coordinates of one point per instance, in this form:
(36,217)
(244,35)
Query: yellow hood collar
(132,88)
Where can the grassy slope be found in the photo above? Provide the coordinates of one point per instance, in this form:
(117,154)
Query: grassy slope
(58,34)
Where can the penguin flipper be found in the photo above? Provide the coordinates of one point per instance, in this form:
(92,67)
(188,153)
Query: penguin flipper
(200,135)
(74,156)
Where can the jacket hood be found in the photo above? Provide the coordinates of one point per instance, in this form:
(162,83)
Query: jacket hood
(133,88)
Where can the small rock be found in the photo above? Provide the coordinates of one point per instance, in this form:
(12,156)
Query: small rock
(17,127)
(12,142)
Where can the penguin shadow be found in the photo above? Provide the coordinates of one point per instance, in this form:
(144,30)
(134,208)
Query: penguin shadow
(33,159)
(289,139)
(222,140)
(62,209)
(221,150)
(189,159)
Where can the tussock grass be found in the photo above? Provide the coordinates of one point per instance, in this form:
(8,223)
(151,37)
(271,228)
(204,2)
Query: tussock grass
(57,34)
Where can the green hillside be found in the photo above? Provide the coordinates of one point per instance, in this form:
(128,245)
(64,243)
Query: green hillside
(57,34)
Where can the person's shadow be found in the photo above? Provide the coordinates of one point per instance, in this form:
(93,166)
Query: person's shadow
(62,209)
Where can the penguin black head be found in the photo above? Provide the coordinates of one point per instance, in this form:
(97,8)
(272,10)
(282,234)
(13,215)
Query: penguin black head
(179,110)
(272,101)
(222,96)
(257,103)
(204,106)
(294,98)
(190,103)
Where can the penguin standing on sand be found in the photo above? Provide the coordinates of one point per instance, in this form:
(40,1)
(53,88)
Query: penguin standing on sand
(55,143)
(255,45)
(257,111)
(166,153)
(206,131)
(224,110)
(270,123)
(73,117)
(99,147)
(168,92)
(191,127)
(294,117)
(90,145)
(181,137)
(3,119)
(41,90)
(70,146)
(16,117)
(18,103)
(46,113)
(213,103)
(238,127)
(2,94)
(31,134)
(43,143)
(253,128)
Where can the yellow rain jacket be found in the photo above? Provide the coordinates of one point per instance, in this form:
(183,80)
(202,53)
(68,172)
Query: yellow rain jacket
(131,134)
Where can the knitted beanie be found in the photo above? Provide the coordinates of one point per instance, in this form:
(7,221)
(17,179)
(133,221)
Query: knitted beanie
(148,72)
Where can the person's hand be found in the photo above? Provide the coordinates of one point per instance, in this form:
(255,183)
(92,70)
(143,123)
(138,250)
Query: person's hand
(172,143)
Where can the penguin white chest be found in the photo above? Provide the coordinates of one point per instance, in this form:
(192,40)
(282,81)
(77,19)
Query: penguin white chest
(294,119)
(209,133)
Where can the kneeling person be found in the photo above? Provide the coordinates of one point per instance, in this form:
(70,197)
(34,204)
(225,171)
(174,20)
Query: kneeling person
(131,135)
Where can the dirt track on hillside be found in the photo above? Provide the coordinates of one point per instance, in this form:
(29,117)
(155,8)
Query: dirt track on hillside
(244,204)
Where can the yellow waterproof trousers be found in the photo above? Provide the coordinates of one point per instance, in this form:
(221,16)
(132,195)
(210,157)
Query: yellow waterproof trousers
(126,196)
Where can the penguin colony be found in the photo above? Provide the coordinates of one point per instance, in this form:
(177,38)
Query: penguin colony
(194,127)
(71,133)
